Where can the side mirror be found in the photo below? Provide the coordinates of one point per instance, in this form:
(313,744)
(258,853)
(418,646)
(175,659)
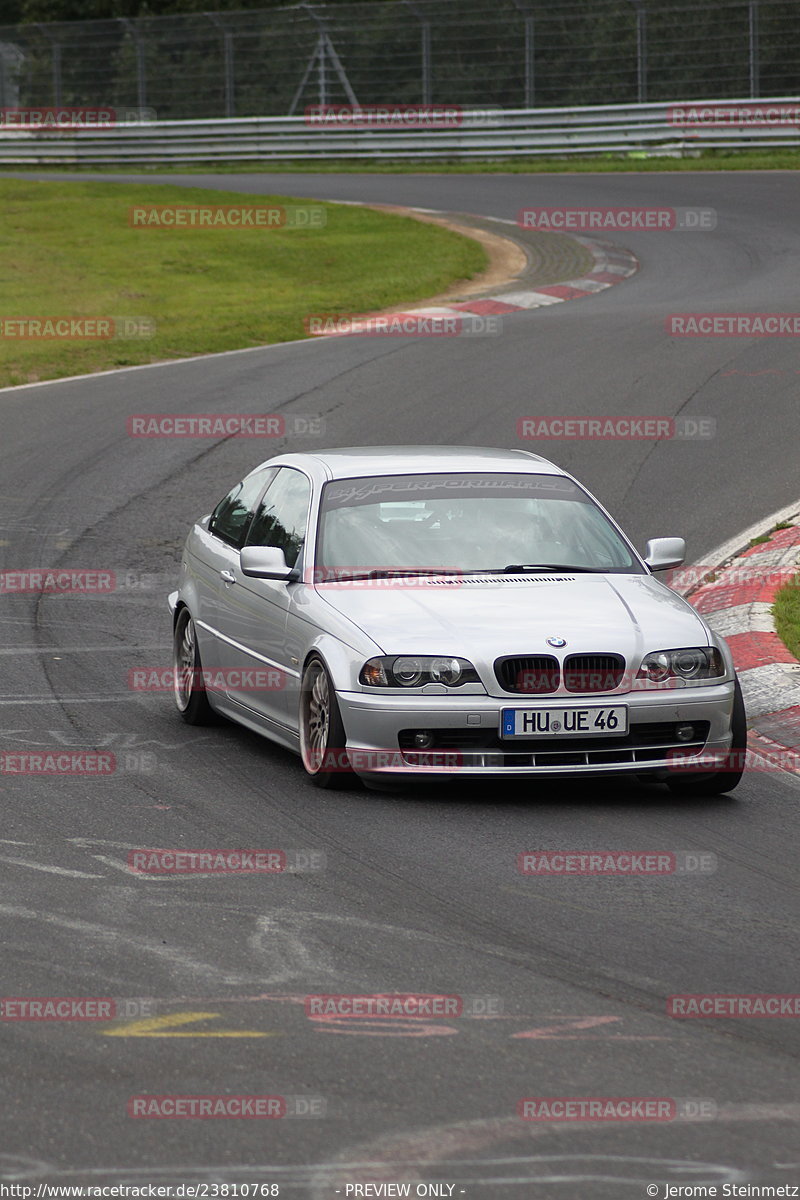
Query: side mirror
(662,553)
(266,562)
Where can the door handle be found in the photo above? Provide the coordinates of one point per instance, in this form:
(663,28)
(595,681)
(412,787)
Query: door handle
(227,576)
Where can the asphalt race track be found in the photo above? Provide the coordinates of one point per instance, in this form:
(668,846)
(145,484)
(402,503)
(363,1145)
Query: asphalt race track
(419,891)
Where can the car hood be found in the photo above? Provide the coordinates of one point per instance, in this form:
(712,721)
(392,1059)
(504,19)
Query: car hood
(487,616)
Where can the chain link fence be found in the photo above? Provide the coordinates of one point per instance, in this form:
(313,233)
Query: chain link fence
(507,53)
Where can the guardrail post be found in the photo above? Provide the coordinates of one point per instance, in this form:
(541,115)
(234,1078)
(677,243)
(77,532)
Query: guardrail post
(641,49)
(55,51)
(529,53)
(141,65)
(227,51)
(755,82)
(11,59)
(425,29)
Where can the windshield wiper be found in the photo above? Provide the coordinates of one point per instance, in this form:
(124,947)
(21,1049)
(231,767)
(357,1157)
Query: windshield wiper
(513,568)
(384,573)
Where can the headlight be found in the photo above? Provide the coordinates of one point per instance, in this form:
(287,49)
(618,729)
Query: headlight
(408,672)
(413,671)
(694,662)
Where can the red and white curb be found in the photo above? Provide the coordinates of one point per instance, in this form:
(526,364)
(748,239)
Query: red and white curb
(612,264)
(737,603)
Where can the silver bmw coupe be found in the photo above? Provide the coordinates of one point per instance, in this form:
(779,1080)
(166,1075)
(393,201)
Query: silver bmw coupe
(448,612)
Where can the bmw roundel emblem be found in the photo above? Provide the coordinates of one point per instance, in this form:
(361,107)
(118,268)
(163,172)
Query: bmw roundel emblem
(556,641)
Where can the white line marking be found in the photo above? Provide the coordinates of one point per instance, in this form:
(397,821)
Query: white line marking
(79,841)
(23,862)
(108,935)
(122,648)
(75,700)
(113,862)
(171,362)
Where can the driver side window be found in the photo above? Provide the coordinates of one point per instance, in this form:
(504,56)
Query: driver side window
(282,515)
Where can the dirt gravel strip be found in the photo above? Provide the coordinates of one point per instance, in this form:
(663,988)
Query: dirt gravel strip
(736,599)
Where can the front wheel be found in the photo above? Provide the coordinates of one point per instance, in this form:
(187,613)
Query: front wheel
(322,735)
(716,782)
(191,700)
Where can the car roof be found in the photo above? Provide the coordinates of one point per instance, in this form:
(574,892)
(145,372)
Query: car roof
(349,462)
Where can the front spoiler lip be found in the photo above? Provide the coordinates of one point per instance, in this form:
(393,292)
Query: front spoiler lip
(439,772)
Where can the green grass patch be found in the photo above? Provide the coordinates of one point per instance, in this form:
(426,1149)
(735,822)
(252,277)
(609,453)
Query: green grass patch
(765,537)
(68,250)
(786,611)
(639,161)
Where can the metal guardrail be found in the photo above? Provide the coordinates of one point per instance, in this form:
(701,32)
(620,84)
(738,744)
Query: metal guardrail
(482,134)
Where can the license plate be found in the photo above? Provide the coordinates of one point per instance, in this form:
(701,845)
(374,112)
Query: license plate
(564,722)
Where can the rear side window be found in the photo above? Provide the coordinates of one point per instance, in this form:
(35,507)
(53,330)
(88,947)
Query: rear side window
(231,518)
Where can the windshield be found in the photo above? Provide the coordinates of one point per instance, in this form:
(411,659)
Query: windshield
(464,523)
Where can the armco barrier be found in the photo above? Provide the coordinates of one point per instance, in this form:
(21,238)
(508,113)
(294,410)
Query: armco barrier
(495,134)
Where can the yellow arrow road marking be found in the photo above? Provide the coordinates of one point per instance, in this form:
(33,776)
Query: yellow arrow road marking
(163,1027)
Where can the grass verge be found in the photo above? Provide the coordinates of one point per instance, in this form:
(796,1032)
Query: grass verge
(786,611)
(68,250)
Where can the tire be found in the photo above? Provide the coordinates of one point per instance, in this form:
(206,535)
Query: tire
(716,782)
(322,735)
(190,696)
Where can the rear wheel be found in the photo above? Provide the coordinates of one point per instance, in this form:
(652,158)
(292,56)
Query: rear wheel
(716,782)
(187,674)
(322,735)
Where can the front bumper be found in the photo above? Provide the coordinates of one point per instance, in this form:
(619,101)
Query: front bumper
(467,741)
